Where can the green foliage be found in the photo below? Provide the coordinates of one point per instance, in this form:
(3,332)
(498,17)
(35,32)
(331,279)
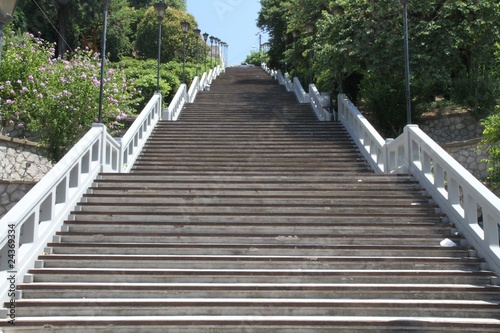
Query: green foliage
(491,140)
(57,99)
(358,40)
(172,43)
(476,92)
(386,99)
(144,75)
(257,58)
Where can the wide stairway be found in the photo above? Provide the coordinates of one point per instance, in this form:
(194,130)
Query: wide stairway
(249,215)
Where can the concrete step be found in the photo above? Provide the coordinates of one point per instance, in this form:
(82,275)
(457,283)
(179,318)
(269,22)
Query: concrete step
(257,262)
(264,238)
(256,307)
(93,275)
(326,227)
(134,248)
(282,291)
(254,324)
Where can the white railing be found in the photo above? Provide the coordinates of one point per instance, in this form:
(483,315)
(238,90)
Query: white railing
(466,201)
(299,91)
(29,225)
(319,104)
(184,95)
(133,141)
(473,208)
(174,109)
(368,140)
(193,89)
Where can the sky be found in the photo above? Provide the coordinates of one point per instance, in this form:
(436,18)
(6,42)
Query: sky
(232,21)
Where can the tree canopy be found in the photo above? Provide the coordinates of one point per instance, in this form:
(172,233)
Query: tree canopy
(76,23)
(358,45)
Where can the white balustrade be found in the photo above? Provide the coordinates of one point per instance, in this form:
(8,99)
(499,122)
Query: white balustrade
(174,109)
(319,104)
(299,91)
(41,212)
(473,208)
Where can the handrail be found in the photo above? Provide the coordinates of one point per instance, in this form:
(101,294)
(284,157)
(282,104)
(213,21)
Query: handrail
(174,109)
(288,83)
(193,89)
(464,199)
(319,104)
(184,96)
(203,81)
(30,224)
(301,94)
(135,138)
(369,141)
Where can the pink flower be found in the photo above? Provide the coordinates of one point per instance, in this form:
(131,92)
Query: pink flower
(9,101)
(40,96)
(84,76)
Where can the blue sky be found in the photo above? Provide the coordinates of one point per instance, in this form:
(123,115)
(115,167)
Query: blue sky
(232,21)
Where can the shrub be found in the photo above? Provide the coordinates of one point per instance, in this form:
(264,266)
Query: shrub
(58,99)
(386,100)
(476,92)
(491,140)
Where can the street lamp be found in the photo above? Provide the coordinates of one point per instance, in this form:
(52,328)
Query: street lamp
(103,56)
(310,30)
(407,61)
(295,34)
(217,45)
(212,38)
(205,38)
(185,28)
(160,8)
(197,34)
(7,8)
(285,39)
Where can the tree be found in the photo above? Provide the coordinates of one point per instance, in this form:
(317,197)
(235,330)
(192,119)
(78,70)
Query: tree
(172,36)
(359,46)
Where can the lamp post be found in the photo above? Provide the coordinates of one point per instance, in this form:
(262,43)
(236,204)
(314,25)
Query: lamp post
(185,28)
(197,34)
(205,38)
(103,56)
(295,34)
(7,8)
(285,39)
(160,8)
(212,38)
(217,47)
(310,30)
(407,61)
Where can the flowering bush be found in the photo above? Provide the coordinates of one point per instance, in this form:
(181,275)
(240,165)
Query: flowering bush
(57,99)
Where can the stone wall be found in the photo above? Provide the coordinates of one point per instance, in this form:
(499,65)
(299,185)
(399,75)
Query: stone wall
(11,193)
(460,135)
(470,155)
(22,165)
(452,128)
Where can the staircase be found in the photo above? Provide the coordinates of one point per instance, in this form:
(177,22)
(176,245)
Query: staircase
(249,215)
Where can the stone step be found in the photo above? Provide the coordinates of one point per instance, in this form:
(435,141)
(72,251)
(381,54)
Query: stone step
(257,262)
(139,275)
(397,238)
(326,291)
(255,324)
(135,248)
(256,307)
